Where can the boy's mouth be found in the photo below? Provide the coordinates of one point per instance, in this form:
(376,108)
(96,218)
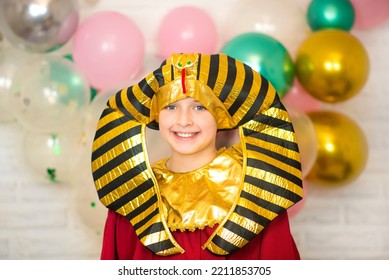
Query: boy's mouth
(185,134)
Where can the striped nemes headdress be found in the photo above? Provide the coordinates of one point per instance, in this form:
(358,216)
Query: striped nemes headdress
(238,97)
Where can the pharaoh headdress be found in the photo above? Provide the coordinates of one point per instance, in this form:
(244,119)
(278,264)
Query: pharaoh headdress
(238,97)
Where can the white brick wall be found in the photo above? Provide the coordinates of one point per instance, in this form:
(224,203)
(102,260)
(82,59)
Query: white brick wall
(41,220)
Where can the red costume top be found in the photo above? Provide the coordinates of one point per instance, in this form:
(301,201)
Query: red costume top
(275,242)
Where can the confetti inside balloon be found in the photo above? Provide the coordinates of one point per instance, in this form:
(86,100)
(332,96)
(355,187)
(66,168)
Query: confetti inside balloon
(49,94)
(51,156)
(11,59)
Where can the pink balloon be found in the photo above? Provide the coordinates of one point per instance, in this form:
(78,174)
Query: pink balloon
(187,29)
(108,48)
(370,13)
(299,98)
(68,27)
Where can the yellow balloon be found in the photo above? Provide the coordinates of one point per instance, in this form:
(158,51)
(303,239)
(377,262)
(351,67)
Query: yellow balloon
(332,65)
(342,149)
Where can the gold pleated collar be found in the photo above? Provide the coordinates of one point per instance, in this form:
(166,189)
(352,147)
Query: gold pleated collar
(202,197)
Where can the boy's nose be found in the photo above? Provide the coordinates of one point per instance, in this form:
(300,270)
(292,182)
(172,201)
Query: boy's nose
(184,118)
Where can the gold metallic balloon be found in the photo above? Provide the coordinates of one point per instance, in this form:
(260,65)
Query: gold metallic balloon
(332,65)
(342,149)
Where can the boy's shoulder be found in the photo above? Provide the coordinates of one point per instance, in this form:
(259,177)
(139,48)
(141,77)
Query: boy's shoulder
(235,152)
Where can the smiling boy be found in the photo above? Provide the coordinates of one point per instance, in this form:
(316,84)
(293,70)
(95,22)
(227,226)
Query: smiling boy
(200,202)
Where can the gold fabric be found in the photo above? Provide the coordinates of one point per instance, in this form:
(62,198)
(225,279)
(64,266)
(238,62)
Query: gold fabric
(202,197)
(238,97)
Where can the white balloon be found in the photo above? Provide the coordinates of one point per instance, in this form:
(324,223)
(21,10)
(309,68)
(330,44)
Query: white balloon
(49,94)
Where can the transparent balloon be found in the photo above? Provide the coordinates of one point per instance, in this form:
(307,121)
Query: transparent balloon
(49,94)
(86,203)
(39,26)
(150,63)
(52,156)
(93,114)
(284,20)
(11,59)
(91,2)
(306,138)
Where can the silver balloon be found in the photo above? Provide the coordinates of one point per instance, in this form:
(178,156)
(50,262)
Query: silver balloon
(38,25)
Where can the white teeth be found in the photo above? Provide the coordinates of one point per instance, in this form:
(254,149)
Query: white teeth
(185,135)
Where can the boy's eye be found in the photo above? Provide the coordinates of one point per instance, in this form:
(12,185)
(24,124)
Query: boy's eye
(200,107)
(170,107)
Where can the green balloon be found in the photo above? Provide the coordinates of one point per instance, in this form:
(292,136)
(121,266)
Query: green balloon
(337,14)
(93,91)
(266,55)
(71,85)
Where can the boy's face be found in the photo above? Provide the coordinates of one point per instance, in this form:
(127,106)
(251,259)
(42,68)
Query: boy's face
(188,127)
